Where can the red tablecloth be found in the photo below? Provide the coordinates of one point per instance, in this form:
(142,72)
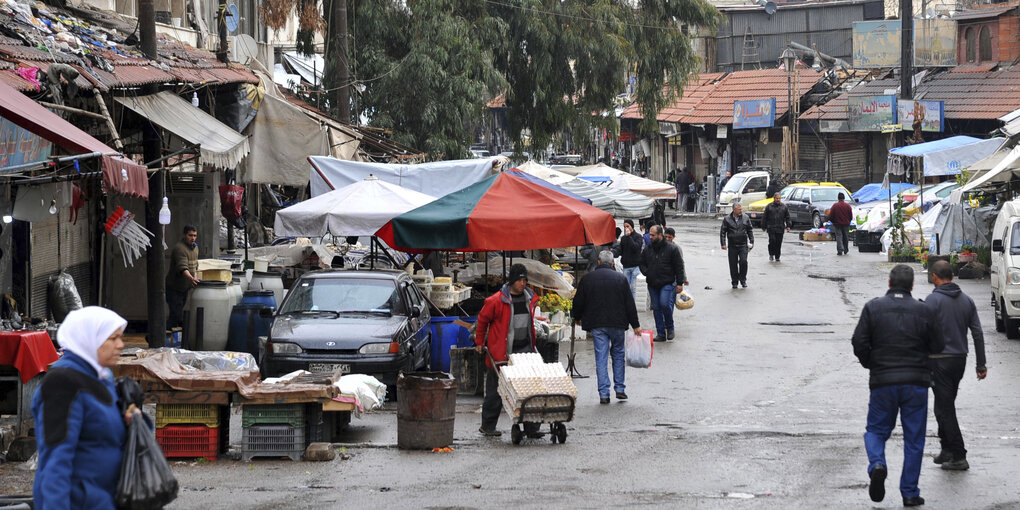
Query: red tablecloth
(29,351)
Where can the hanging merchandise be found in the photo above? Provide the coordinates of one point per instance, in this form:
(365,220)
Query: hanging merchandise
(133,238)
(231,199)
(78,199)
(164,219)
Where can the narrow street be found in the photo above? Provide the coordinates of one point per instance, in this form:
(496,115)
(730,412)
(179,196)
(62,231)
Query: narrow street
(758,403)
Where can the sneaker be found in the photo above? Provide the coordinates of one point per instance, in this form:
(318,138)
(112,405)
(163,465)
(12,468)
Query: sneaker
(621,395)
(603,400)
(490,433)
(670,334)
(877,488)
(915,501)
(734,285)
(956,465)
(777,259)
(943,456)
(743,284)
(659,338)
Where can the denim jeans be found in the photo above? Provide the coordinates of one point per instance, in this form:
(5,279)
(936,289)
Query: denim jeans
(609,342)
(911,402)
(842,234)
(632,273)
(663,300)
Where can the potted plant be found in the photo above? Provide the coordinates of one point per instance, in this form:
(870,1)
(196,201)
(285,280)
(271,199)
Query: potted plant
(966,254)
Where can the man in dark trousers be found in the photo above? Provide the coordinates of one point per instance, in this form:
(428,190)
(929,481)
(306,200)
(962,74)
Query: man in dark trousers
(957,314)
(505,325)
(894,338)
(775,221)
(738,234)
(605,307)
(663,268)
(841,214)
(181,276)
(684,179)
(630,253)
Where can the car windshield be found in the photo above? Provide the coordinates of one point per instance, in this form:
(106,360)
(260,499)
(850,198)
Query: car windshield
(826,194)
(733,185)
(343,295)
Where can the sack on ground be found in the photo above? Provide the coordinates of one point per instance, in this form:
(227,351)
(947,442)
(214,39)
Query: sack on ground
(684,301)
(639,349)
(146,480)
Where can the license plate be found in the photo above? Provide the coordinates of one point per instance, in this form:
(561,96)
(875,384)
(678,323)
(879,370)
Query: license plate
(754,215)
(329,368)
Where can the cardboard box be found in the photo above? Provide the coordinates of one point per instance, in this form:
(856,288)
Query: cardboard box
(813,236)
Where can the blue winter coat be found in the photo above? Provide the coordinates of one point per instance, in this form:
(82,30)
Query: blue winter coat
(80,435)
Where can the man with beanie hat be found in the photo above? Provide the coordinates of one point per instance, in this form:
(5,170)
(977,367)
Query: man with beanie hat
(505,325)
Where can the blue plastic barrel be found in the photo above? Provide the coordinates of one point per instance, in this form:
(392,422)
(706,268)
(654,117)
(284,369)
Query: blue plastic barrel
(263,297)
(445,335)
(246,326)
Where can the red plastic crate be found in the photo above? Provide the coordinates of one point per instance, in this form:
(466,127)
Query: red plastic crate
(189,441)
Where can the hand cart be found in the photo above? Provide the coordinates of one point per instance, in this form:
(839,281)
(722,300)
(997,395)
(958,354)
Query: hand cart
(535,410)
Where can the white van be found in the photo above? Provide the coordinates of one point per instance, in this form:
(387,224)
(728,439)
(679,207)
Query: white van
(1005,269)
(743,188)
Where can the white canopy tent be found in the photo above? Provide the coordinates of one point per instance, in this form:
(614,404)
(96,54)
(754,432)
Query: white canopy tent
(616,201)
(545,173)
(435,179)
(630,182)
(1002,171)
(358,209)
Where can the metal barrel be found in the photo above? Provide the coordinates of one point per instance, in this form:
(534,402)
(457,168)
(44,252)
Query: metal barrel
(426,406)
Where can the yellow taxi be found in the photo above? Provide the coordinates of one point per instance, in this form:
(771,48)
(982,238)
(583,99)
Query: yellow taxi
(756,210)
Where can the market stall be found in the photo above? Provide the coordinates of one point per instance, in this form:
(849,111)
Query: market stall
(630,182)
(434,179)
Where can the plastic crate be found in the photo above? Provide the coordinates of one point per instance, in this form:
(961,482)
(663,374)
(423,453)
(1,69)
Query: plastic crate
(187,414)
(273,441)
(273,414)
(189,441)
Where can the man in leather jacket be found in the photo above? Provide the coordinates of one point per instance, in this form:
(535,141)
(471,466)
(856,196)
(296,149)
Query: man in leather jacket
(738,233)
(894,339)
(774,222)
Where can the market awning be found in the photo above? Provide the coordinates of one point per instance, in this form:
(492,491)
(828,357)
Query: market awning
(630,182)
(282,136)
(220,146)
(436,179)
(1002,171)
(949,156)
(119,173)
(548,185)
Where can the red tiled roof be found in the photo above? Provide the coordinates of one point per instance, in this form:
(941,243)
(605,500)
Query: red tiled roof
(694,91)
(982,67)
(717,106)
(18,51)
(982,13)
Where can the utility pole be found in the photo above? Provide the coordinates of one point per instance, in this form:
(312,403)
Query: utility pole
(152,151)
(336,75)
(906,49)
(221,29)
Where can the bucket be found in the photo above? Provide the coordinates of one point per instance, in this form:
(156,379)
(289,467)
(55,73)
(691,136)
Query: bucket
(467,366)
(446,335)
(245,328)
(262,297)
(426,406)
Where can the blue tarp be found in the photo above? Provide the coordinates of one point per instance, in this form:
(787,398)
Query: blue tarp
(547,184)
(595,178)
(920,149)
(874,191)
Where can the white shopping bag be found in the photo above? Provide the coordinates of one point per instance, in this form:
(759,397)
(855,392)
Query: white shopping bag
(639,349)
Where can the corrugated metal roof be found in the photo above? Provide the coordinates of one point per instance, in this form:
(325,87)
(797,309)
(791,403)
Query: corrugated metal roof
(17,82)
(974,14)
(17,51)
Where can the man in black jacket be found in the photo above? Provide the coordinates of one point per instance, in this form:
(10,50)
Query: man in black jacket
(894,338)
(663,268)
(737,231)
(957,314)
(630,253)
(604,306)
(775,220)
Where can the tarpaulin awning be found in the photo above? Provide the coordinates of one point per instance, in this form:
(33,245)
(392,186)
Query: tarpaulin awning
(501,212)
(545,173)
(435,179)
(282,137)
(1003,171)
(631,182)
(548,185)
(358,209)
(949,156)
(220,146)
(875,191)
(119,173)
(616,201)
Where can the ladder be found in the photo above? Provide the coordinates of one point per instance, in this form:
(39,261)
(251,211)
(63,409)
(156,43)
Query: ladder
(749,55)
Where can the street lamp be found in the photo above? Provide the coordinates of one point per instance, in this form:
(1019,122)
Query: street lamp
(789,60)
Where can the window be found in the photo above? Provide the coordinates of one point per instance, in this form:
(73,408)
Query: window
(971,42)
(798,195)
(985,44)
(755,185)
(344,294)
(826,194)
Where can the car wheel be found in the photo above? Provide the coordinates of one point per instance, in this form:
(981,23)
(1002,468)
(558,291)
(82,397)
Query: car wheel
(816,220)
(1000,326)
(1012,325)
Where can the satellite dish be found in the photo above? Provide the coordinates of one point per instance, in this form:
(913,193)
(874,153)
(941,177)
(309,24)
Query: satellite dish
(246,48)
(232,17)
(770,8)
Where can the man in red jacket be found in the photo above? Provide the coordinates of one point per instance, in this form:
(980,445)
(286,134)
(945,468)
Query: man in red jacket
(505,325)
(840,214)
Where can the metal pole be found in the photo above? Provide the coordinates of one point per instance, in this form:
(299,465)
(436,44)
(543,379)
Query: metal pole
(152,148)
(571,366)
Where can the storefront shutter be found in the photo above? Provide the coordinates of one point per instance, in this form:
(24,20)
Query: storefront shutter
(847,161)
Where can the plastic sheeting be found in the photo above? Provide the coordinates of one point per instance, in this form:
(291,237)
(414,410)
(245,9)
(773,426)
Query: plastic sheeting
(620,203)
(959,224)
(630,182)
(949,156)
(874,191)
(359,209)
(282,136)
(435,179)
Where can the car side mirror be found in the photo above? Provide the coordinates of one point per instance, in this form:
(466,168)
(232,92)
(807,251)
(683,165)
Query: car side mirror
(267,312)
(857,201)
(997,245)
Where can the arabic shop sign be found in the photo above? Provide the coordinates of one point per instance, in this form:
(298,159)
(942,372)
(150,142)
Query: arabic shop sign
(757,113)
(870,113)
(19,145)
(932,114)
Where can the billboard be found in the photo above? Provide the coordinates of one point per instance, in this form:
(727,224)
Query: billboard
(870,113)
(877,43)
(756,113)
(933,111)
(19,145)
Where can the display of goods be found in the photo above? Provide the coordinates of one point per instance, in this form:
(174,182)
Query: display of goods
(526,358)
(132,237)
(535,378)
(189,441)
(187,414)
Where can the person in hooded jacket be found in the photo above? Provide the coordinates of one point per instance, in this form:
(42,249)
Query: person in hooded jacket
(505,326)
(663,268)
(957,314)
(630,253)
(80,432)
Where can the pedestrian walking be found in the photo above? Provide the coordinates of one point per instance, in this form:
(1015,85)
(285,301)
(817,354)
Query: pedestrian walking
(841,214)
(604,306)
(182,275)
(957,314)
(894,338)
(630,253)
(80,432)
(670,236)
(737,232)
(505,325)
(662,266)
(684,180)
(774,222)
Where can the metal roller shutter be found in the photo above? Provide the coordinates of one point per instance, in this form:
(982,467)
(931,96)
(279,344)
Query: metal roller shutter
(74,249)
(847,161)
(812,154)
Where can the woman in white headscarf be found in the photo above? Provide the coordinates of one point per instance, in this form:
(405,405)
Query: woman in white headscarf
(80,432)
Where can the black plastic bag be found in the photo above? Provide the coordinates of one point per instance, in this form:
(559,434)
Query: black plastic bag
(146,480)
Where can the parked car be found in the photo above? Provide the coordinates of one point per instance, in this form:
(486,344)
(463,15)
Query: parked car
(756,210)
(743,188)
(565,159)
(363,322)
(810,205)
(1005,269)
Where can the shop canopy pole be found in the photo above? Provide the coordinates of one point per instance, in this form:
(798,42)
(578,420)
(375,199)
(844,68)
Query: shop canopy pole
(571,366)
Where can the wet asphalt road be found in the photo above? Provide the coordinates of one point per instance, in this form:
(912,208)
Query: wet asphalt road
(758,403)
